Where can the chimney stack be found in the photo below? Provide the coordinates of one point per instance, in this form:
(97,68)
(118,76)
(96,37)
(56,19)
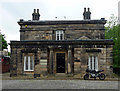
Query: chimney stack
(35,15)
(84,9)
(86,14)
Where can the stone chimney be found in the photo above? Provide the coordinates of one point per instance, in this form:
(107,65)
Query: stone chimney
(35,15)
(86,14)
(84,17)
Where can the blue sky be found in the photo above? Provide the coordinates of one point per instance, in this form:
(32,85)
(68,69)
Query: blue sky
(12,11)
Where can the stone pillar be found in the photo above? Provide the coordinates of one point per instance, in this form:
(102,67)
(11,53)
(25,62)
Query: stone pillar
(70,63)
(51,62)
(13,62)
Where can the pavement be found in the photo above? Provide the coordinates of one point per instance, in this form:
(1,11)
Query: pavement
(58,84)
(51,82)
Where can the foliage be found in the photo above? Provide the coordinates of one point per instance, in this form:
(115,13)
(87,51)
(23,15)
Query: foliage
(4,42)
(9,53)
(112,31)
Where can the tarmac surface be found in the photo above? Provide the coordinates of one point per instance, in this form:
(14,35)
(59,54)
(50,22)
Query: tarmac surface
(59,84)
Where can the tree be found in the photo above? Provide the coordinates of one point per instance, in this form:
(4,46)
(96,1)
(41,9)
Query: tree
(112,31)
(4,42)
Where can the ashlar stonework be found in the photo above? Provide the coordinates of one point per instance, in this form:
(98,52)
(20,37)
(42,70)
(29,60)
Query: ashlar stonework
(61,46)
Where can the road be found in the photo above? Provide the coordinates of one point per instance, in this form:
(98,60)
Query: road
(58,84)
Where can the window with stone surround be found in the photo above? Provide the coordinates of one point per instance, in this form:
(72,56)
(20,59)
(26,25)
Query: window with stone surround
(93,63)
(59,35)
(28,63)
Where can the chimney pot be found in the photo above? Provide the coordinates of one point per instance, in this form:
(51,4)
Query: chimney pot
(88,9)
(34,10)
(38,11)
(84,9)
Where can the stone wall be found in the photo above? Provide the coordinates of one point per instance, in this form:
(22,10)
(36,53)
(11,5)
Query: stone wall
(41,60)
(17,61)
(72,31)
(104,60)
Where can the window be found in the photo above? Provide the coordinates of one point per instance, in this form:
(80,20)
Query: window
(93,63)
(59,35)
(28,63)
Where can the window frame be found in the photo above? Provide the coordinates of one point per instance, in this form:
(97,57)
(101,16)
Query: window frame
(93,63)
(58,35)
(28,60)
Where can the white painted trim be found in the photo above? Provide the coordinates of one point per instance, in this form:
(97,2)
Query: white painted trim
(58,33)
(89,63)
(96,60)
(28,63)
(24,62)
(92,62)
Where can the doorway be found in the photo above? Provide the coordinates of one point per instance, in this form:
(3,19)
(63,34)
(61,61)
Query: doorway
(60,62)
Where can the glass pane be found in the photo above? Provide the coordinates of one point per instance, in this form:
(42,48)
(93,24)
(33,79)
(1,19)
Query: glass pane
(31,63)
(28,62)
(61,37)
(57,37)
(57,32)
(91,62)
(94,63)
(24,62)
(26,67)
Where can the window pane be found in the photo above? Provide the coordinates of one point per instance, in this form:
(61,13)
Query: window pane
(57,37)
(31,63)
(26,67)
(24,62)
(91,62)
(94,63)
(61,36)
(28,62)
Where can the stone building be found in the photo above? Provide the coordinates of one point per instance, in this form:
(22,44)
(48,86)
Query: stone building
(61,46)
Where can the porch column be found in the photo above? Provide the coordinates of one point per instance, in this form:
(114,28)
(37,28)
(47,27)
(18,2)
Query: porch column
(70,61)
(51,61)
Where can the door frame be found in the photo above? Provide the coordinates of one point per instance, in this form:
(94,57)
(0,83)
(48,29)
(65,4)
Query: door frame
(57,61)
(55,67)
